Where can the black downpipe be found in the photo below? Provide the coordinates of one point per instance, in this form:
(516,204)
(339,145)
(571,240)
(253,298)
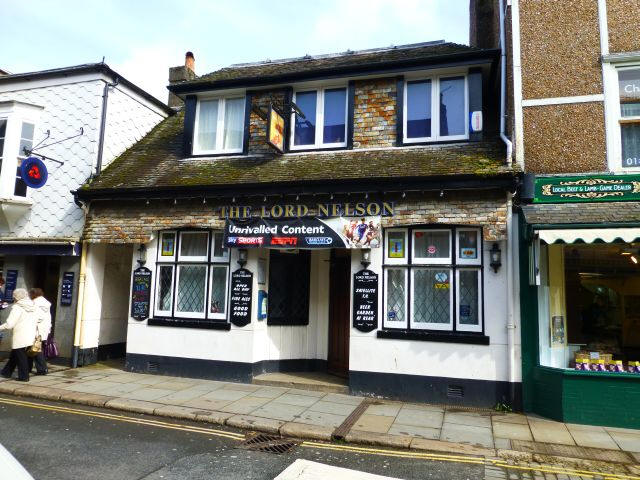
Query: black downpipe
(103,122)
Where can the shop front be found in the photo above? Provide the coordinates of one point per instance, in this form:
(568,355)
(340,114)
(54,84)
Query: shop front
(581,299)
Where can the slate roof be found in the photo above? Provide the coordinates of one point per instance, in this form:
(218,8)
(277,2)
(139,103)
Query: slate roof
(429,52)
(156,162)
(582,213)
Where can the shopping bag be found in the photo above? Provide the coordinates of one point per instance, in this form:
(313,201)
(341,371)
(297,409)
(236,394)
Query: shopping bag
(51,349)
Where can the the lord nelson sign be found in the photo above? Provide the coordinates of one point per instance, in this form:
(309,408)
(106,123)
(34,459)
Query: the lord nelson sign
(297,210)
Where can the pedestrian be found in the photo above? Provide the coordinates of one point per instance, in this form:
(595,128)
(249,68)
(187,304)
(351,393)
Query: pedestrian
(22,321)
(43,327)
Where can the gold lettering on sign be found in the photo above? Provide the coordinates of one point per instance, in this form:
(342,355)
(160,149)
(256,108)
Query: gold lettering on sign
(303,210)
(276,211)
(288,211)
(323,210)
(373,209)
(335,210)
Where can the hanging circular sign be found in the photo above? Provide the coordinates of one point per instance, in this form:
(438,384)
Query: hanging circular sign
(33,172)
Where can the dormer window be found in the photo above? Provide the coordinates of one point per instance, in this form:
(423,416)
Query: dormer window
(325,122)
(219,126)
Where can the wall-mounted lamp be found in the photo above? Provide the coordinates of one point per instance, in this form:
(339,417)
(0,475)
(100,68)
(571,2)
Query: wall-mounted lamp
(242,256)
(365,257)
(142,255)
(496,257)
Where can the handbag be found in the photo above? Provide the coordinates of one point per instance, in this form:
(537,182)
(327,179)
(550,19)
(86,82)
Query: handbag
(50,348)
(36,348)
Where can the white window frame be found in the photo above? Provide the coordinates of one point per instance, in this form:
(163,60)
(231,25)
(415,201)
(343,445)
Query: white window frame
(461,327)
(469,261)
(430,325)
(320,118)
(198,258)
(222,101)
(435,109)
(167,258)
(225,256)
(396,261)
(620,120)
(218,316)
(156,311)
(21,156)
(430,261)
(197,315)
(386,323)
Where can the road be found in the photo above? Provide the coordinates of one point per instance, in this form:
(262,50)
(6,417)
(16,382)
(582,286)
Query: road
(60,441)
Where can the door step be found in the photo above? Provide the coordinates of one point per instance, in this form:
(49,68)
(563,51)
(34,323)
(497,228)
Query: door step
(315,381)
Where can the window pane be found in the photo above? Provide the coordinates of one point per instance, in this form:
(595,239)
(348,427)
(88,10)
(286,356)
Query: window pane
(468,244)
(194,244)
(334,115)
(396,295)
(629,86)
(208,124)
(218,289)
(165,279)
(395,245)
(431,244)
(305,130)
(452,111)
(468,294)
(3,130)
(20,188)
(233,123)
(630,144)
(419,109)
(27,131)
(191,288)
(431,296)
(219,250)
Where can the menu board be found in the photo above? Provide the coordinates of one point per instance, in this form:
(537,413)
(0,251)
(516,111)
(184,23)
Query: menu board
(11,282)
(141,293)
(66,290)
(241,289)
(365,300)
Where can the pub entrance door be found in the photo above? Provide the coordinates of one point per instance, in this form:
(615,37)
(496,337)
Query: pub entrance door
(339,295)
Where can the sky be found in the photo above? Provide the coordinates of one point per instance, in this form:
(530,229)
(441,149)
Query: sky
(141,39)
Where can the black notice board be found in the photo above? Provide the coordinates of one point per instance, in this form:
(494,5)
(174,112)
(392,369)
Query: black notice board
(66,290)
(11,282)
(141,293)
(241,293)
(365,300)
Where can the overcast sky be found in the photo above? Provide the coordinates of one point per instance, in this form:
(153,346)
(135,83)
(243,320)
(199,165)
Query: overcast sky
(140,39)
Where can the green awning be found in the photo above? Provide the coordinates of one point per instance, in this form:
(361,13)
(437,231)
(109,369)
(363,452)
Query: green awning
(589,235)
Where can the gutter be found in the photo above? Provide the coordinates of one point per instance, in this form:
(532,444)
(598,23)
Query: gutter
(503,85)
(103,122)
(78,324)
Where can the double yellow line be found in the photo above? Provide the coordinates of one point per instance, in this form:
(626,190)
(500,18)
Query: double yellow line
(323,446)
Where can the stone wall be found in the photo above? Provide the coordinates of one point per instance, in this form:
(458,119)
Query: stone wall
(258,126)
(374,123)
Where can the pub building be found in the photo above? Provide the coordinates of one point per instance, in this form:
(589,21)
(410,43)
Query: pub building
(343,213)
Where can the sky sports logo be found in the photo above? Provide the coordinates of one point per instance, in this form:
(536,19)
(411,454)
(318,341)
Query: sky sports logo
(318,240)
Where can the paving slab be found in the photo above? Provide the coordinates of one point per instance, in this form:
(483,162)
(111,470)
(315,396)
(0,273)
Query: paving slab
(378,439)
(545,431)
(340,398)
(510,418)
(129,405)
(250,422)
(88,387)
(309,393)
(306,431)
(422,432)
(177,398)
(629,442)
(269,392)
(209,416)
(300,400)
(513,431)
(119,389)
(332,407)
(150,379)
(90,399)
(386,409)
(373,423)
(321,419)
(125,377)
(242,387)
(502,443)
(175,411)
(148,393)
(476,420)
(592,436)
(450,447)
(224,394)
(245,405)
(424,406)
(419,418)
(279,411)
(454,432)
(46,393)
(172,385)
(206,404)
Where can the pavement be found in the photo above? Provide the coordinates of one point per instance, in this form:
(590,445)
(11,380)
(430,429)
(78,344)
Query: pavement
(316,415)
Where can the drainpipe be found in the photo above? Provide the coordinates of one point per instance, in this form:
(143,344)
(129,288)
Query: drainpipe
(503,86)
(77,335)
(103,122)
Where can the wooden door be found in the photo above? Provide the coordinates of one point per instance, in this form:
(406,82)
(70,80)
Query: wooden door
(339,324)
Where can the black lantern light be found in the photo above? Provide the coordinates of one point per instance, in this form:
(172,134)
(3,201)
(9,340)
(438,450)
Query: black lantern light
(142,255)
(496,257)
(242,256)
(365,257)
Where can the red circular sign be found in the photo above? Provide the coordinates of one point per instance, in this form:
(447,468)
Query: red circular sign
(432,249)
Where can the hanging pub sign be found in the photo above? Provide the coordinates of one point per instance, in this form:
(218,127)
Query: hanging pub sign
(365,300)
(587,189)
(338,232)
(11,282)
(275,130)
(33,172)
(66,289)
(241,292)
(141,293)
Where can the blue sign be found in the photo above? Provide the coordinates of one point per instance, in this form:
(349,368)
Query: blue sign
(10,285)
(66,290)
(33,172)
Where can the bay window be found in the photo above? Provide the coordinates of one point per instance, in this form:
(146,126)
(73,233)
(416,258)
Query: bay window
(433,279)
(26,142)
(325,122)
(192,272)
(436,109)
(219,126)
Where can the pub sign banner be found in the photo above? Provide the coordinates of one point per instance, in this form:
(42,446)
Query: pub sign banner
(307,232)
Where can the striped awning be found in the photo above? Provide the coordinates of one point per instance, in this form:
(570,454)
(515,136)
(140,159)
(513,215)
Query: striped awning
(590,235)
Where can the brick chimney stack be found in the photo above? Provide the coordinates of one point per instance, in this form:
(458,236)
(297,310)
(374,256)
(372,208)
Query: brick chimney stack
(484,28)
(181,74)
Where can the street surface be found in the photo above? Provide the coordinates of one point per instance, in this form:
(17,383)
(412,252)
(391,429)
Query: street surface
(57,441)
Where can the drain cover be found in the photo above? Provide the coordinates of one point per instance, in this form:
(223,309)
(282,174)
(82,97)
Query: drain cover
(268,443)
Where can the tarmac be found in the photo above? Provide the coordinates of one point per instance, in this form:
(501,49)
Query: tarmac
(329,416)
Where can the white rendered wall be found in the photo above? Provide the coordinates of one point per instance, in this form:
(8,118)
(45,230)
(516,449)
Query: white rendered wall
(94,284)
(115,291)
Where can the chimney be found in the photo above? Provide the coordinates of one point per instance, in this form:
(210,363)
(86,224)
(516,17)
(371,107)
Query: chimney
(179,74)
(484,19)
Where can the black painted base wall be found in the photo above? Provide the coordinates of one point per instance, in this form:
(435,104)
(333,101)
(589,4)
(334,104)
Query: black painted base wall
(439,390)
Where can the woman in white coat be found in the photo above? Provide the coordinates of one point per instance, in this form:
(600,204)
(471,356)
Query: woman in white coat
(43,326)
(22,322)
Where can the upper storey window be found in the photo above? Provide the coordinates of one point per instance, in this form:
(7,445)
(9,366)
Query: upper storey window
(629,86)
(325,122)
(436,109)
(219,125)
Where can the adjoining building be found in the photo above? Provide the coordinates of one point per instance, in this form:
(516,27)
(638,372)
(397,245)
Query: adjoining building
(344,213)
(76,120)
(576,104)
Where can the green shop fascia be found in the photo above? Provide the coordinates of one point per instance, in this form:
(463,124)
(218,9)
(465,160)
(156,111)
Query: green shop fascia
(580,298)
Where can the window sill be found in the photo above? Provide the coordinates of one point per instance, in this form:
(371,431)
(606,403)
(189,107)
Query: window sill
(432,142)
(189,323)
(446,337)
(313,148)
(588,373)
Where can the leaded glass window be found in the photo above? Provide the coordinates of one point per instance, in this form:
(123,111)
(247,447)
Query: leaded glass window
(190,289)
